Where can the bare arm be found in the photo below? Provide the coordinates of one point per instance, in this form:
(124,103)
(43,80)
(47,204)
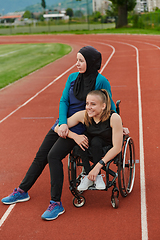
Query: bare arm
(117,138)
(81,140)
(72,121)
(76,118)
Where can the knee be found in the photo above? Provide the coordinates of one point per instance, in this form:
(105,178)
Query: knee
(53,158)
(50,157)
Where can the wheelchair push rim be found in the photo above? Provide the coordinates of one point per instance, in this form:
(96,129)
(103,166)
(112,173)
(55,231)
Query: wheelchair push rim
(126,169)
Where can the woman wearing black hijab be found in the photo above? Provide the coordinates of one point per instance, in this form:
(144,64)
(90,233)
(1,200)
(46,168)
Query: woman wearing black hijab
(55,146)
(79,84)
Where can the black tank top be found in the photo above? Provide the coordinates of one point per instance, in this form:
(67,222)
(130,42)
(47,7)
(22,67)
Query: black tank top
(102,130)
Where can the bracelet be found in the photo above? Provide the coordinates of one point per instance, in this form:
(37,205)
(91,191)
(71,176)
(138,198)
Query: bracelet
(102,162)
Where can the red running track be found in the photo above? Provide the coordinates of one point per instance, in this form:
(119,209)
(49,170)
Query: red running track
(27,111)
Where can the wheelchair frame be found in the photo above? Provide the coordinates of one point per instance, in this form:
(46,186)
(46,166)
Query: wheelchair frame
(125,162)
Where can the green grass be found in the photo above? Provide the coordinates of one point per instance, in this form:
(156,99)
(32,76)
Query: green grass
(78,29)
(128,30)
(18,60)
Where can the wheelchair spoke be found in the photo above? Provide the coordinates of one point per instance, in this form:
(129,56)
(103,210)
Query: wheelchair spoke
(127,168)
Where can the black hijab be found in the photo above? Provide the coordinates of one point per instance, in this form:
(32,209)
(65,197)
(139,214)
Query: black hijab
(85,82)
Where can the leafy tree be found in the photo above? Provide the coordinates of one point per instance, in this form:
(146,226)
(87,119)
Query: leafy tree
(96,16)
(78,13)
(123,7)
(27,14)
(41,18)
(43,4)
(69,12)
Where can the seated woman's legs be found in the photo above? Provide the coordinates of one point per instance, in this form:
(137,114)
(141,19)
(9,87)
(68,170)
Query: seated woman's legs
(59,151)
(96,149)
(36,168)
(85,159)
(85,182)
(39,162)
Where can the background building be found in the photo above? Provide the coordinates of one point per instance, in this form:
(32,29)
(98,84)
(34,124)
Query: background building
(100,5)
(147,5)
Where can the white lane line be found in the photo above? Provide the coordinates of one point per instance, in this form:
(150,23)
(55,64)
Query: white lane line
(42,90)
(4,217)
(148,44)
(6,54)
(109,57)
(32,118)
(144,225)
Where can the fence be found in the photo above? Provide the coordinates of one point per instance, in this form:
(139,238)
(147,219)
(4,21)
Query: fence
(52,28)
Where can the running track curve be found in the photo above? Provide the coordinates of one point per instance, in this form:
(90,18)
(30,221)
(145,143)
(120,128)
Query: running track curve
(28,109)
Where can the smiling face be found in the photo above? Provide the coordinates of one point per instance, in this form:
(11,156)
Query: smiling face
(94,106)
(81,63)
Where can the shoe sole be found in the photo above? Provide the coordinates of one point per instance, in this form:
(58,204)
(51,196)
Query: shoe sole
(85,188)
(20,200)
(100,188)
(49,219)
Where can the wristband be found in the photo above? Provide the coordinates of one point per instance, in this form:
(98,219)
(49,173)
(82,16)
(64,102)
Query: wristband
(102,162)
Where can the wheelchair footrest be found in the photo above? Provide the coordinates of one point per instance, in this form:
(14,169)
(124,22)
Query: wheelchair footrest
(92,187)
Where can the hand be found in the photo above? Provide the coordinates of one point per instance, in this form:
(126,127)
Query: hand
(125,131)
(94,172)
(82,141)
(63,130)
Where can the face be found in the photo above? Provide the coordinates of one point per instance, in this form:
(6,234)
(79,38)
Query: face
(81,63)
(94,106)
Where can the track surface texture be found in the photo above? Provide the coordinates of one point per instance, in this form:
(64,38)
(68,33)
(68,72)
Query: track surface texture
(28,109)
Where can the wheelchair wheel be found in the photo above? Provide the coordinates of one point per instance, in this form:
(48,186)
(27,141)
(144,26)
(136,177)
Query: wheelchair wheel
(75,170)
(114,202)
(79,202)
(126,167)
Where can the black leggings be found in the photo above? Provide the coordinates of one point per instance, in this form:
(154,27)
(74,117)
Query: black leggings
(96,145)
(52,151)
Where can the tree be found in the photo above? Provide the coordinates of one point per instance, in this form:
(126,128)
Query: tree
(123,7)
(43,4)
(78,13)
(69,12)
(96,16)
(27,14)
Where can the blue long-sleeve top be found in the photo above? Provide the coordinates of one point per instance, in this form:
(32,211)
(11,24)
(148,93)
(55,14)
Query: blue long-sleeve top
(69,104)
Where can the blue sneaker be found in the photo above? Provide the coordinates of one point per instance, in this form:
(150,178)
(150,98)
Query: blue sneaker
(15,197)
(53,211)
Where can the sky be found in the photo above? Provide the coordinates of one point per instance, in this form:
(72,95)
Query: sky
(18,5)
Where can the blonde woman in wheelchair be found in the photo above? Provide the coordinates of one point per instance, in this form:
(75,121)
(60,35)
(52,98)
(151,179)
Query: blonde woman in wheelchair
(103,128)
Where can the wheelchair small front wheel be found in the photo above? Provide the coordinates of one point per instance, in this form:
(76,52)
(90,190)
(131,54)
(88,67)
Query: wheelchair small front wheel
(79,202)
(114,202)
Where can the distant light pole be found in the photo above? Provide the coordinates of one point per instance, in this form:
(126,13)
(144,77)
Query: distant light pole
(88,14)
(59,7)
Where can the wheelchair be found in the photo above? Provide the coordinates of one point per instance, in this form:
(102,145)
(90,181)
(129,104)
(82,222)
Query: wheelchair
(123,174)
